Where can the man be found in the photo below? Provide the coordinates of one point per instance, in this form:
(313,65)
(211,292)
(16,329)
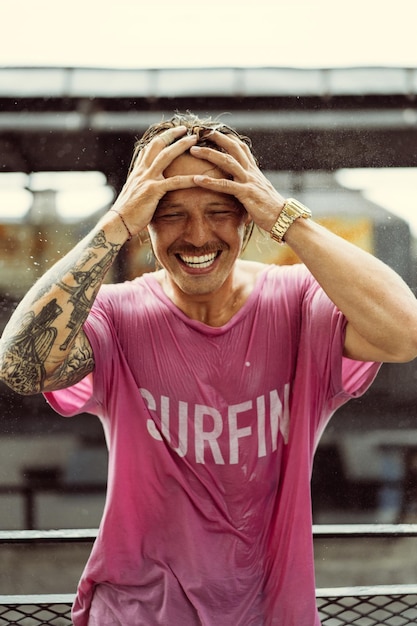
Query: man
(213,377)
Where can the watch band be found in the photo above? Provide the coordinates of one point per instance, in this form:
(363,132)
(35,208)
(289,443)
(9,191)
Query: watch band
(291,211)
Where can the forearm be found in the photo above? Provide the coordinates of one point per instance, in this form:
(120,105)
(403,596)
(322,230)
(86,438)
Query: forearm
(41,334)
(379,306)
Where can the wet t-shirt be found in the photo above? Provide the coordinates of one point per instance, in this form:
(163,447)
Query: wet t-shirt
(211,435)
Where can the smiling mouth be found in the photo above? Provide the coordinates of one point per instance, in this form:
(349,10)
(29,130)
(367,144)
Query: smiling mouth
(199,262)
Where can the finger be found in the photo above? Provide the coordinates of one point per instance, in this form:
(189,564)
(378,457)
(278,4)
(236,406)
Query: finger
(223,161)
(159,188)
(170,135)
(231,144)
(160,155)
(221,185)
(178,182)
(161,141)
(173,183)
(171,152)
(160,162)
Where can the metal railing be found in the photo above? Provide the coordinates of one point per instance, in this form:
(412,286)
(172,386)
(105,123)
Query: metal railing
(388,605)
(350,606)
(36,610)
(380,605)
(30,492)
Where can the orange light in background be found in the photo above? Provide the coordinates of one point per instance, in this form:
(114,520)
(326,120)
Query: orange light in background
(358,230)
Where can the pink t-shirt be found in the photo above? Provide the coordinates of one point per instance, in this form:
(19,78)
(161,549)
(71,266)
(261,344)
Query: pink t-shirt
(211,435)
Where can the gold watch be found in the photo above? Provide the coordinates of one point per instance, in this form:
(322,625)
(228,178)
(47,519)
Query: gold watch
(291,211)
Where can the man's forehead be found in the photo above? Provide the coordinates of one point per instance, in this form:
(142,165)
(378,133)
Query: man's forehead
(179,197)
(186,165)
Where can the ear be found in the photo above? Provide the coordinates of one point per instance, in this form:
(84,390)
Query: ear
(249,226)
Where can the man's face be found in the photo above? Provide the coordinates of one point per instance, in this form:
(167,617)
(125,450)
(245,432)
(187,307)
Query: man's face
(197,234)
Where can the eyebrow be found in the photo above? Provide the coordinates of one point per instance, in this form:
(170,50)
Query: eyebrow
(167,203)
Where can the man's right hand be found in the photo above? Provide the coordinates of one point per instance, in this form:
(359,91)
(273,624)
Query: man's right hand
(146,184)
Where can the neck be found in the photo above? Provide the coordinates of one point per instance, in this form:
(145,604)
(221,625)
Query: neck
(214,308)
(213,311)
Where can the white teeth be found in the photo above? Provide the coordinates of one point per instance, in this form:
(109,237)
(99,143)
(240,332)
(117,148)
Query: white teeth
(202,261)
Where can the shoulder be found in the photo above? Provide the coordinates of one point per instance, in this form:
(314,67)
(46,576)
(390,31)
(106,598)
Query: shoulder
(120,298)
(272,286)
(254,273)
(249,272)
(290,288)
(123,289)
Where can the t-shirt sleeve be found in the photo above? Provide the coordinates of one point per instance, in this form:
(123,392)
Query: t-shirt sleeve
(324,379)
(73,400)
(322,343)
(357,376)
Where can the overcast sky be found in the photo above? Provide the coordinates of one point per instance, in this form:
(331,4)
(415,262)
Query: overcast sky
(181,33)
(152,33)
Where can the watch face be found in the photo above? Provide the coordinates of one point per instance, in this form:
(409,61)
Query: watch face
(292,211)
(295,209)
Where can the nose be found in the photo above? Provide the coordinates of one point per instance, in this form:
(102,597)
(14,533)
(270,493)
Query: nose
(197,230)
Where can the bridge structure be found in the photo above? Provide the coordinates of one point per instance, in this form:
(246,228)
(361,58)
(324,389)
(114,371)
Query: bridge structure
(300,120)
(81,119)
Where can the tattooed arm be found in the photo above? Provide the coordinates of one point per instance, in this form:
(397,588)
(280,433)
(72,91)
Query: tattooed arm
(43,347)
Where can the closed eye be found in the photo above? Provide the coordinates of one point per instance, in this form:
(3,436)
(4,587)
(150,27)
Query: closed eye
(223,213)
(168,216)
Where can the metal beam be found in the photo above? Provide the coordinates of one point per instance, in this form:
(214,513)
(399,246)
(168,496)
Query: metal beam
(272,121)
(231,82)
(84,119)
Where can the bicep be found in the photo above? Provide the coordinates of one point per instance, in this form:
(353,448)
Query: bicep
(78,363)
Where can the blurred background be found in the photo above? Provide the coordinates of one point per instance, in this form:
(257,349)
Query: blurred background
(326,91)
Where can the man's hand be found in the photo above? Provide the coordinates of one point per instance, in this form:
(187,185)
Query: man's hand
(146,184)
(249,185)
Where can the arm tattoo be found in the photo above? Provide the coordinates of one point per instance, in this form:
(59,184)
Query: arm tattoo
(86,280)
(26,351)
(76,366)
(29,348)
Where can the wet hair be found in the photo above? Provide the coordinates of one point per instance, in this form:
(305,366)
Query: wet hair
(202,127)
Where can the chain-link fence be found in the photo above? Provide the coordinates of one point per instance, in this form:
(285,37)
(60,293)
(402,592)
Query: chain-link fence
(354,606)
(381,605)
(368,606)
(45,610)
